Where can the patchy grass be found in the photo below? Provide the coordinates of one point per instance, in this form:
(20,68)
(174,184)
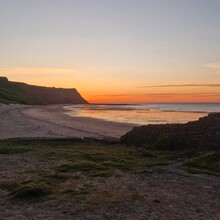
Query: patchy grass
(87,168)
(16,146)
(70,168)
(9,185)
(209,164)
(12,150)
(56,177)
(81,166)
(31,191)
(73,170)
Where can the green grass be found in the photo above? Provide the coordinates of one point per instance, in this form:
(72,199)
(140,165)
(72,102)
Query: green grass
(209,164)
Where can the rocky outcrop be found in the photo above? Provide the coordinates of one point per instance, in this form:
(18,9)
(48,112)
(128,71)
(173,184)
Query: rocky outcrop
(3,79)
(15,92)
(204,133)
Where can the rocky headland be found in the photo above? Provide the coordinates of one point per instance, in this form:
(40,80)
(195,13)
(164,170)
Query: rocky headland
(21,93)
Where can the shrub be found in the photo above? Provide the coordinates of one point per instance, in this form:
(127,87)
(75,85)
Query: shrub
(30,191)
(170,141)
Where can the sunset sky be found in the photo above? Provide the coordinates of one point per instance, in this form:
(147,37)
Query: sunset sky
(115,50)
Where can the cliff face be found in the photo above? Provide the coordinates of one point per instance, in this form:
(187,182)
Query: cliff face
(15,92)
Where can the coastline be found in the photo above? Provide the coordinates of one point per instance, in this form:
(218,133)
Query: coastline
(80,179)
(49,121)
(143,114)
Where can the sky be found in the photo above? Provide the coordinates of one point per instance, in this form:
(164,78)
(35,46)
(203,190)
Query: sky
(115,50)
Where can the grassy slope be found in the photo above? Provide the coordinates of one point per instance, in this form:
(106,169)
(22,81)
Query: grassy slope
(7,97)
(21,93)
(12,93)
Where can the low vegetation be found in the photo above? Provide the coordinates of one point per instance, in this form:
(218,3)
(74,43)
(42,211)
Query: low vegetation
(195,136)
(68,169)
(209,164)
(12,150)
(72,170)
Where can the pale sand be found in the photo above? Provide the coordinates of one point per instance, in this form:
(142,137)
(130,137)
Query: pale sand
(21,121)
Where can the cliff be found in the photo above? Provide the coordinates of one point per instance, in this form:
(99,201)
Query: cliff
(21,93)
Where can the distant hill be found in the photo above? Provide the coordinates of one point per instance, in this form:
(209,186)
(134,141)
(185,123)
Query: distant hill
(21,93)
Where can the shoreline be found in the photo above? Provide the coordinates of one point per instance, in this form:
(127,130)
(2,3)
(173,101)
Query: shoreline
(50,121)
(78,176)
(141,116)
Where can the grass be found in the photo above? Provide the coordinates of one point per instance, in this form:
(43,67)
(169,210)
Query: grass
(209,164)
(70,165)
(88,168)
(10,186)
(73,170)
(31,191)
(12,150)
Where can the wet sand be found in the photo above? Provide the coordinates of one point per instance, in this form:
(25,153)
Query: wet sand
(21,121)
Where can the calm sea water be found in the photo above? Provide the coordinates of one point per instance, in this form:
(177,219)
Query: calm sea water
(144,113)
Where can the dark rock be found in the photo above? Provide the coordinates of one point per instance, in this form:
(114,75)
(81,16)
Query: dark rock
(204,133)
(3,79)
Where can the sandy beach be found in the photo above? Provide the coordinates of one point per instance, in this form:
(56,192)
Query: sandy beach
(22,121)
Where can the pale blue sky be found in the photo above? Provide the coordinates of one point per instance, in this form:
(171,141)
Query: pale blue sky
(138,41)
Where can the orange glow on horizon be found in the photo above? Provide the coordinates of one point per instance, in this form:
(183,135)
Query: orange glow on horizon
(133,99)
(109,51)
(110,90)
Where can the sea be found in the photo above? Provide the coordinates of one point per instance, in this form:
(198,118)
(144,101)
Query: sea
(144,113)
